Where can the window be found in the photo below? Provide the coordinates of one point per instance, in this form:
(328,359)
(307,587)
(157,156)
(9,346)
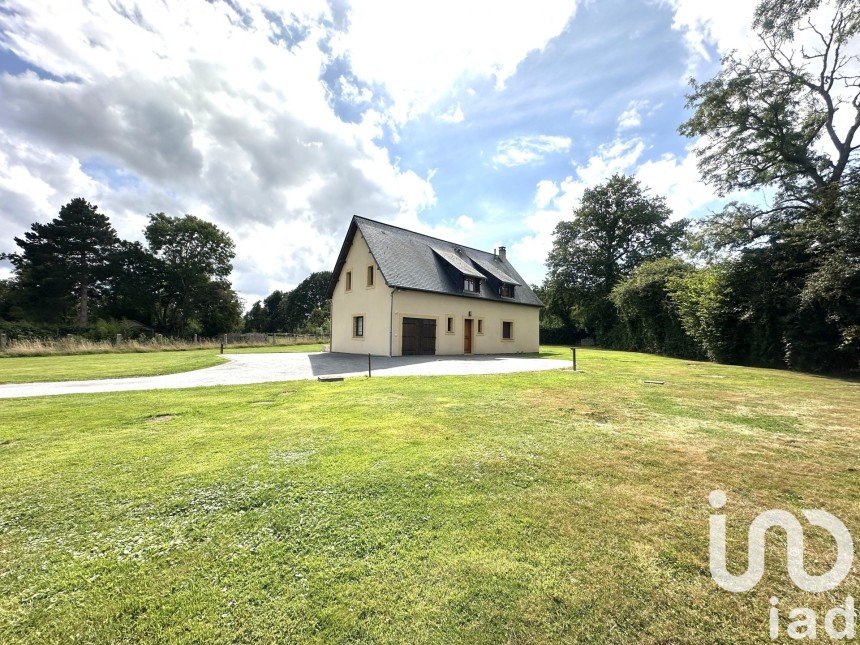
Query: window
(358,326)
(450,328)
(507,291)
(471,285)
(480,325)
(507,330)
(349,280)
(370,276)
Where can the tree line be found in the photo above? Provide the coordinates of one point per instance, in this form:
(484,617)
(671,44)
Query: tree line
(770,283)
(305,309)
(75,275)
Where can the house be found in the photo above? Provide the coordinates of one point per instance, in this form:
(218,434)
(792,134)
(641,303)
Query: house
(396,292)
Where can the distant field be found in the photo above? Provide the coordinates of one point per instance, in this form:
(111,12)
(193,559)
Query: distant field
(521,508)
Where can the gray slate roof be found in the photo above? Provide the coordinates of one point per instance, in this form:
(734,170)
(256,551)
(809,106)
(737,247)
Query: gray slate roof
(461,263)
(409,260)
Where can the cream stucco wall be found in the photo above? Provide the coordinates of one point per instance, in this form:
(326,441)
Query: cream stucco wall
(378,306)
(417,304)
(374,303)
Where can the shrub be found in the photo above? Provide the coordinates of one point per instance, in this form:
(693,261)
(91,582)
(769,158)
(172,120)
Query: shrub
(561,336)
(649,315)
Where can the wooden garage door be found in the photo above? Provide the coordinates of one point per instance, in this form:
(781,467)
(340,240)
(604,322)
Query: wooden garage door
(419,336)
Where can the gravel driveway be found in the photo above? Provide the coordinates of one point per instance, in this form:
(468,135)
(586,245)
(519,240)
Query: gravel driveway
(241,369)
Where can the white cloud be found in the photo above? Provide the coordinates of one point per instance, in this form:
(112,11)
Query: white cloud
(32,180)
(556,201)
(465,222)
(546,192)
(632,116)
(209,111)
(531,149)
(352,93)
(726,25)
(629,118)
(419,51)
(674,177)
(616,157)
(454,115)
(678,180)
(217,108)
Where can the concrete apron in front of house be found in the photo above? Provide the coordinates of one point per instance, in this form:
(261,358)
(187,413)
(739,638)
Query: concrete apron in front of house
(245,369)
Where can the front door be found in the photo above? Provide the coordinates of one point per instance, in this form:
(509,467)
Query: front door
(467,338)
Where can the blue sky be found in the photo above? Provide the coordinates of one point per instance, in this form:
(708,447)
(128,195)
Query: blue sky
(481,124)
(577,87)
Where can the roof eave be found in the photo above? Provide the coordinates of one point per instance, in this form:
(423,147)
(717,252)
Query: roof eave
(341,257)
(469,296)
(344,252)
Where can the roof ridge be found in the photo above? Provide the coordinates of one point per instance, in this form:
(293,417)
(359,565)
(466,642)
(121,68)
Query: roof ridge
(438,239)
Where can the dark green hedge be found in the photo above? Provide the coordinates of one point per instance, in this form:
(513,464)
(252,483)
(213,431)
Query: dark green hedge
(560,336)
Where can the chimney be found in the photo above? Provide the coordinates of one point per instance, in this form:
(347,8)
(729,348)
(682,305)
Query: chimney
(503,253)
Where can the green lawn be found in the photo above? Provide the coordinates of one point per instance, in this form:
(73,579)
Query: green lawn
(522,508)
(93,366)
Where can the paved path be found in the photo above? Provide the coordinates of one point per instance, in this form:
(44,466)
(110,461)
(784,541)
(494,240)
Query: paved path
(241,369)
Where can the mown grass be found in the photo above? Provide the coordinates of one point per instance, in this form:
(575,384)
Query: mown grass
(527,508)
(33,369)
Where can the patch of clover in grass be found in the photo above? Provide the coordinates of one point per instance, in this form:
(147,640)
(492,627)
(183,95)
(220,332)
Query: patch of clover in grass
(281,457)
(241,494)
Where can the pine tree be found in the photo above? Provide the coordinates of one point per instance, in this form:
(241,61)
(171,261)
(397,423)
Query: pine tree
(63,264)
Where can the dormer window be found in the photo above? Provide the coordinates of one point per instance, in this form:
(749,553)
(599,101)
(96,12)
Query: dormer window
(507,291)
(471,285)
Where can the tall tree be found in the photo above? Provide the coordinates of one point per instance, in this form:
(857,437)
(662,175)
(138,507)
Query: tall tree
(255,319)
(617,227)
(275,314)
(6,300)
(193,253)
(785,117)
(65,261)
(649,312)
(217,308)
(135,279)
(300,303)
